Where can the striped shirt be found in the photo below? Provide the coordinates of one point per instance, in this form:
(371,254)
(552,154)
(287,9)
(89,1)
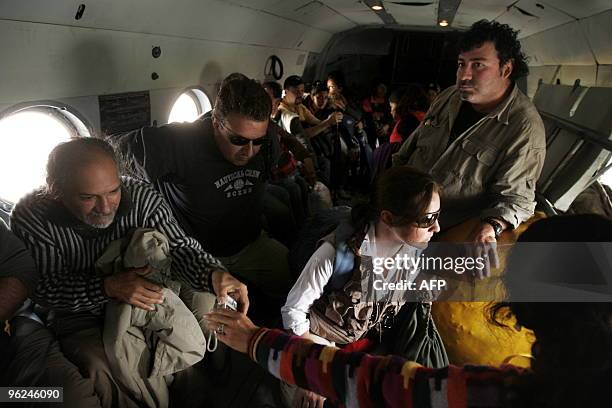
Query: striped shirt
(65,250)
(355,379)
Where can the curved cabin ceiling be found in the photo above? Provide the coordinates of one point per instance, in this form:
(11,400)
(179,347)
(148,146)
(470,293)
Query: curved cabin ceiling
(49,53)
(293,24)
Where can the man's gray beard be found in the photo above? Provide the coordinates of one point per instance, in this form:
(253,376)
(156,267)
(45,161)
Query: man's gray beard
(99,226)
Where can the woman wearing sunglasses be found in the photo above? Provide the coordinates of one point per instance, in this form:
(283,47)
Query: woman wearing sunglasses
(343,294)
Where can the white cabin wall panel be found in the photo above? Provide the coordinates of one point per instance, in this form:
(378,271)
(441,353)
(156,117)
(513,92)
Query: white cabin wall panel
(256,4)
(579,8)
(587,74)
(186,18)
(282,34)
(566,44)
(87,107)
(312,13)
(44,61)
(343,6)
(288,7)
(604,75)
(55,12)
(355,11)
(470,11)
(414,16)
(364,42)
(545,73)
(313,40)
(366,17)
(542,19)
(198,19)
(327,20)
(598,29)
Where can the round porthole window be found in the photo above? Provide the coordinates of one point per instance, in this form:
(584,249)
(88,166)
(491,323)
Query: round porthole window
(189,105)
(27,136)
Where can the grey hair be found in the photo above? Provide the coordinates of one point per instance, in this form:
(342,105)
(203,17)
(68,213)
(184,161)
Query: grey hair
(67,156)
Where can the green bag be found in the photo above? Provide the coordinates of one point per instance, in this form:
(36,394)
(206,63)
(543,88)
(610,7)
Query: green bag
(414,336)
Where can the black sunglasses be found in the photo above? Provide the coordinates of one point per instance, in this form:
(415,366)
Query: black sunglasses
(428,219)
(238,140)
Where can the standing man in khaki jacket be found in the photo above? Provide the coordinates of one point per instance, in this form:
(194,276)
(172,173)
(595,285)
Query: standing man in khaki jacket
(482,139)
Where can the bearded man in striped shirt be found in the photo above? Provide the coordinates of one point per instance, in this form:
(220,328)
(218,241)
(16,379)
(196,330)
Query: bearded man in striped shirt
(68,225)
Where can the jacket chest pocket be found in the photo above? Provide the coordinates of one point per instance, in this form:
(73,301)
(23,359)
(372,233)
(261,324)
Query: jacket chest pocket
(484,155)
(431,141)
(466,172)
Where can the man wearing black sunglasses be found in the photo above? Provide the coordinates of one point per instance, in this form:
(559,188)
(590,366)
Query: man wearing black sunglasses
(241,148)
(212,172)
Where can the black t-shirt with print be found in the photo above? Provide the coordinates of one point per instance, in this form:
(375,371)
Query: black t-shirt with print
(216,202)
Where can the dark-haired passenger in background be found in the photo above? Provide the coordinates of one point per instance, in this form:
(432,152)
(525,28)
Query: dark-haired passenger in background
(318,103)
(407,106)
(433,90)
(377,115)
(336,85)
(289,141)
(351,139)
(298,120)
(291,107)
(571,362)
(482,138)
(294,171)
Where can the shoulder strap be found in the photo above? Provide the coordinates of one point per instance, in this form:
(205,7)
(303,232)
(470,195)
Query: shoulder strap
(343,266)
(344,262)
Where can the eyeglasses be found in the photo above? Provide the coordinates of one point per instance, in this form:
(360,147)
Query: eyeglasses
(428,219)
(238,140)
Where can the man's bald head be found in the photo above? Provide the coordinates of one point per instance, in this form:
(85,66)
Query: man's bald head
(67,158)
(83,175)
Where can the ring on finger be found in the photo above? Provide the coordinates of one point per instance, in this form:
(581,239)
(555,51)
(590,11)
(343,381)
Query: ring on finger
(219,330)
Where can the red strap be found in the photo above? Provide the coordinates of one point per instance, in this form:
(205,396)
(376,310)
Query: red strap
(363,345)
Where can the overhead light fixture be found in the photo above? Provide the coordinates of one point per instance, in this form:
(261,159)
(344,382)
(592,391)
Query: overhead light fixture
(378,7)
(375,5)
(447,9)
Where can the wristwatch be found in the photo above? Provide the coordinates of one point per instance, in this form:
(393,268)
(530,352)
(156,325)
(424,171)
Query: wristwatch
(497,227)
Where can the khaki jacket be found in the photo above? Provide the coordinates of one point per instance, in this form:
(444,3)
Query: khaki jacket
(488,171)
(143,347)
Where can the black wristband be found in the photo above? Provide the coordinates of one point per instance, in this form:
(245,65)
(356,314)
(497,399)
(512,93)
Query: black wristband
(497,227)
